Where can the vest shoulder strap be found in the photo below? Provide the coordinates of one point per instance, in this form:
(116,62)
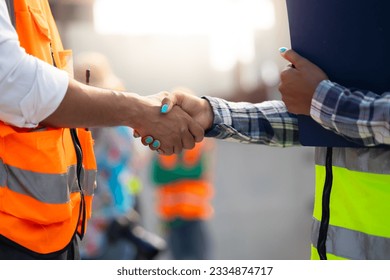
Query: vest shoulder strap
(11,11)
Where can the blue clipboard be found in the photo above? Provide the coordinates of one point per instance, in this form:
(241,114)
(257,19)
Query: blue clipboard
(350,41)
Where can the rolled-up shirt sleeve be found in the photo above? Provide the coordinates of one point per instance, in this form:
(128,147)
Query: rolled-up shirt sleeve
(30,89)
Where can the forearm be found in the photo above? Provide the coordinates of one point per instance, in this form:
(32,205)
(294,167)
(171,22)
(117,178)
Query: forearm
(357,114)
(86,106)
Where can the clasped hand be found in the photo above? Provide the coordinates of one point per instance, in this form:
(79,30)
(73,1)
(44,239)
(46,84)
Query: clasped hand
(169,129)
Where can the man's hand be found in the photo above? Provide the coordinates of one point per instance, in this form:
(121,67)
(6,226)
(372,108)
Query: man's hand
(167,133)
(298,82)
(197,108)
(88,106)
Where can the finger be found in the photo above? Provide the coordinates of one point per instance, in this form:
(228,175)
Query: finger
(288,67)
(160,148)
(147,140)
(196,130)
(178,149)
(176,146)
(165,152)
(155,145)
(290,55)
(287,74)
(136,134)
(188,140)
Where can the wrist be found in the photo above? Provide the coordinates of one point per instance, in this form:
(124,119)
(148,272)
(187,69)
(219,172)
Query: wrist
(136,109)
(207,115)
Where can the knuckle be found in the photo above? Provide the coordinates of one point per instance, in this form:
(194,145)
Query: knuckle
(189,144)
(281,88)
(192,145)
(283,75)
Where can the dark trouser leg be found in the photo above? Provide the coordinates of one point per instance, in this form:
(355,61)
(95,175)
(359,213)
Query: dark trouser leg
(12,251)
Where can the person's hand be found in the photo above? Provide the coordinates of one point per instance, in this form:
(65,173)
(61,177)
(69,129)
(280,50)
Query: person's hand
(298,82)
(197,108)
(167,133)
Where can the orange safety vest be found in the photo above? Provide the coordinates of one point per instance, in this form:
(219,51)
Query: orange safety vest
(41,204)
(183,197)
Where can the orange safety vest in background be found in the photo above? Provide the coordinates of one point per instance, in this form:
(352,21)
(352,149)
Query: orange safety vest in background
(183,191)
(41,204)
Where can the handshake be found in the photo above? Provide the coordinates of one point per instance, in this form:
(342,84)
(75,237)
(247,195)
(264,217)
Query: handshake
(171,122)
(174,121)
(182,118)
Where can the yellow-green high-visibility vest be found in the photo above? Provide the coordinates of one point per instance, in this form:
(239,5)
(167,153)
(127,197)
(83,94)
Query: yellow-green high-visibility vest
(351,218)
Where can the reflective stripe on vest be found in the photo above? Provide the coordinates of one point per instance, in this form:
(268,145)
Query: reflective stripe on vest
(18,180)
(351,244)
(39,195)
(359,203)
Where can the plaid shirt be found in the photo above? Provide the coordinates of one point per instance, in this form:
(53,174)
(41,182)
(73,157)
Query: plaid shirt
(361,115)
(263,123)
(358,114)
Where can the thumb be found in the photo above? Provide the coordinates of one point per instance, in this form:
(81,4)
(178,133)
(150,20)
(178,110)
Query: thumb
(291,56)
(169,101)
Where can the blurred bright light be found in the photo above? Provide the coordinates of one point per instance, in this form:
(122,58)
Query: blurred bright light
(270,73)
(180,16)
(231,24)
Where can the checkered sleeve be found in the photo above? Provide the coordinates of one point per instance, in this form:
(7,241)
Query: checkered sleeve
(360,115)
(266,123)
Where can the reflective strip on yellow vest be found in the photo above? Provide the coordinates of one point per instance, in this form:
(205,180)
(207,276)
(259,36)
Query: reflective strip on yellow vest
(359,226)
(39,195)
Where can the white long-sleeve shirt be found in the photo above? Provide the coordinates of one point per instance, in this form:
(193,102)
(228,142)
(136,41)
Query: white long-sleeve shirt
(30,89)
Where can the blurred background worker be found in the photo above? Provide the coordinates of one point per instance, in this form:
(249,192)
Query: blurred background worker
(184,191)
(114,231)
